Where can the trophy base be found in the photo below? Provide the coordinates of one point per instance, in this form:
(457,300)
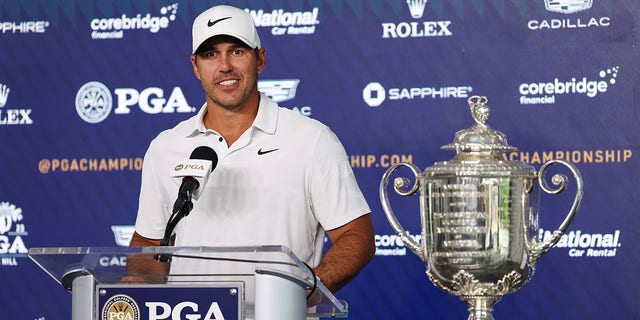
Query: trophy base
(479,296)
(480,307)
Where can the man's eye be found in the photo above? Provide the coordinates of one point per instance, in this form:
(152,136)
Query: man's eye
(209,54)
(238,52)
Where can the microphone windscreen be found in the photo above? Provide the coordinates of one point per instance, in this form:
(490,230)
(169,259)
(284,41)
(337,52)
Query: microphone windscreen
(205,153)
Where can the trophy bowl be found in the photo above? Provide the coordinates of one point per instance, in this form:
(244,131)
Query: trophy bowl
(479,215)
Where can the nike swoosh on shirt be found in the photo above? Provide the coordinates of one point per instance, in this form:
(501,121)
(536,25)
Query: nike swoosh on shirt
(210,23)
(260,152)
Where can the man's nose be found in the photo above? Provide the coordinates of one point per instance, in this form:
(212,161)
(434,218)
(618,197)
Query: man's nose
(225,63)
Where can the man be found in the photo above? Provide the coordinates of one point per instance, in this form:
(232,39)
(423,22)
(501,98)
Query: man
(281,178)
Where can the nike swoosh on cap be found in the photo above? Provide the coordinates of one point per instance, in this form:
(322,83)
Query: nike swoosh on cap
(211,24)
(260,152)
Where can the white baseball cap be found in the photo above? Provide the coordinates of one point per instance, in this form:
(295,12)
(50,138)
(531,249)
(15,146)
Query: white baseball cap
(225,20)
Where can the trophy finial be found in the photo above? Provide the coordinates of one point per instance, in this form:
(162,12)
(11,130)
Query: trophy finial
(479,109)
(480,136)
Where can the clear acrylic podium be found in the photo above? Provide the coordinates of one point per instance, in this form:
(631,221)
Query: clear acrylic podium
(255,282)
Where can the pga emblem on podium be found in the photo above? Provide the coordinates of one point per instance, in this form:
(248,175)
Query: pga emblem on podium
(173,302)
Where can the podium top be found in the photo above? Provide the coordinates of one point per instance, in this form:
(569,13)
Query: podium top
(108,265)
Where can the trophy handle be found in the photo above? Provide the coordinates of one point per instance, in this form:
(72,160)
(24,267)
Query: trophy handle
(560,181)
(399,185)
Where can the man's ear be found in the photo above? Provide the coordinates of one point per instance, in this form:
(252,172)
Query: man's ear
(195,66)
(262,59)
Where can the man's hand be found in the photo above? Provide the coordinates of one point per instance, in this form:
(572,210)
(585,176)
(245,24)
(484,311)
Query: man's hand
(315,298)
(144,268)
(352,248)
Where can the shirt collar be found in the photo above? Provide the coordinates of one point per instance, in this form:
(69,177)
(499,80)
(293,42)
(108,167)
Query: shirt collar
(266,120)
(267,117)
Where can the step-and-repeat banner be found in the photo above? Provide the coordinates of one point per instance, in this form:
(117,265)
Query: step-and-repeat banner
(85,85)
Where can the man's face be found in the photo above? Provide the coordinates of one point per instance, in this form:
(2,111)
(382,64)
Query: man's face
(228,70)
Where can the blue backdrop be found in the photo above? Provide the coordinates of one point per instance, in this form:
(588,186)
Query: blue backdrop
(85,85)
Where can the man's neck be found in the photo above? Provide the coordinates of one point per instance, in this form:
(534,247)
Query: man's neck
(231,124)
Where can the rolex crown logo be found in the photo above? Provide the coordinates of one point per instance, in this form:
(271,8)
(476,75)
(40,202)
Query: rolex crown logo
(416,7)
(4,94)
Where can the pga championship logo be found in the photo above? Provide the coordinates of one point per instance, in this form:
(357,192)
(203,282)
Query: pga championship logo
(188,166)
(120,307)
(12,231)
(94,101)
(124,307)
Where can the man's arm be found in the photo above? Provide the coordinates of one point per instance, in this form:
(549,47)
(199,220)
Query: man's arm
(144,264)
(352,248)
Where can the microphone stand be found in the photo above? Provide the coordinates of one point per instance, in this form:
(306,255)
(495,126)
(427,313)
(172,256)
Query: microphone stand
(181,208)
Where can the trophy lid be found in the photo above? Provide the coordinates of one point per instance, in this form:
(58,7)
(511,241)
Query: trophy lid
(480,150)
(480,137)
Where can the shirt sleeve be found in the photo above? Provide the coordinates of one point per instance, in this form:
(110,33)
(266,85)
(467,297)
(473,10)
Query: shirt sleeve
(336,198)
(153,212)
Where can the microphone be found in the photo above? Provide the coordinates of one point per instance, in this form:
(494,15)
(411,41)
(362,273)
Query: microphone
(191,175)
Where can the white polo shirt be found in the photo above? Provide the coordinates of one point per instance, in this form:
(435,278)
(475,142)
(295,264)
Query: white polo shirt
(283,182)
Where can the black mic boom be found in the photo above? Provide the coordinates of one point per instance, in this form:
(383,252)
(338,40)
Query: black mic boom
(183,204)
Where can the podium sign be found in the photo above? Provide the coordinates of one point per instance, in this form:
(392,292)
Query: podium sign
(169,302)
(259,282)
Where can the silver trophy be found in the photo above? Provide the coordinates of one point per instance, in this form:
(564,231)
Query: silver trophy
(479,215)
